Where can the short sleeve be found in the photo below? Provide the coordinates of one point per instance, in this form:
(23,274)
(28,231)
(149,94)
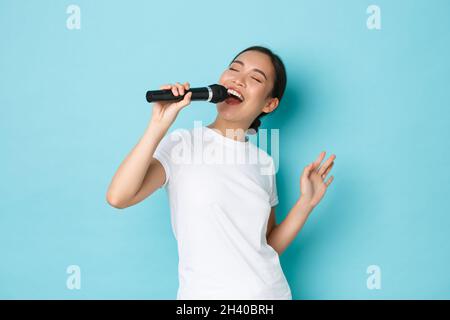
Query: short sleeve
(163,153)
(273,199)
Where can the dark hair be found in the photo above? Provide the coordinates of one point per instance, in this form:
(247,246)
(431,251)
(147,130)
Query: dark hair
(280,80)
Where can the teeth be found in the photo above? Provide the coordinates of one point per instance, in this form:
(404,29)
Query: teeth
(235,93)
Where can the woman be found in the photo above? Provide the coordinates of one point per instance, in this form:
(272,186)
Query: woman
(223,215)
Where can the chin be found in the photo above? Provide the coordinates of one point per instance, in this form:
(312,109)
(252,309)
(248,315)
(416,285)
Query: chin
(227,112)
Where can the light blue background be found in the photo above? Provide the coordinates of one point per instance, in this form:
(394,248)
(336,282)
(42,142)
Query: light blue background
(73,105)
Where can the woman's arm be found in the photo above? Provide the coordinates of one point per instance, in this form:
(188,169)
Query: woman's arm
(139,175)
(313,187)
(138,166)
(272,223)
(283,234)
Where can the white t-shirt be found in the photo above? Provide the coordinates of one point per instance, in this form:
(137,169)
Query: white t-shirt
(220,201)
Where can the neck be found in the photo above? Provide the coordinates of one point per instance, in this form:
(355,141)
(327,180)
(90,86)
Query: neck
(238,131)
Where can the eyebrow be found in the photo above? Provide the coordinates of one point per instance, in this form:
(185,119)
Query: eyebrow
(257,70)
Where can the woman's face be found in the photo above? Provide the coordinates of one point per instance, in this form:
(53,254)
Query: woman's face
(251,74)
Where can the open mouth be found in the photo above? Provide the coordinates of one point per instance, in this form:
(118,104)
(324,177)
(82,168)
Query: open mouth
(234,97)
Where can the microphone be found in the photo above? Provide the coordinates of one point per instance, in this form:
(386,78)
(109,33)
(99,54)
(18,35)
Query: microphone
(213,93)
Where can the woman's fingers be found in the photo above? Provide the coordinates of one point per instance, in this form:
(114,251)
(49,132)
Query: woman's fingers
(307,170)
(327,171)
(177,88)
(319,160)
(327,183)
(188,97)
(186,100)
(180,89)
(327,163)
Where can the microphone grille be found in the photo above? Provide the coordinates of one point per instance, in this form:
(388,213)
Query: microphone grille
(219,93)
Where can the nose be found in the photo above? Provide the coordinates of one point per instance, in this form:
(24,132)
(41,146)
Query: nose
(238,82)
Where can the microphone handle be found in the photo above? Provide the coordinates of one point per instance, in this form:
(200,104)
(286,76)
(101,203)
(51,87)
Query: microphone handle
(167,95)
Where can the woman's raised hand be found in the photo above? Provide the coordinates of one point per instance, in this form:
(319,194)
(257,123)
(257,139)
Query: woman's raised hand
(312,181)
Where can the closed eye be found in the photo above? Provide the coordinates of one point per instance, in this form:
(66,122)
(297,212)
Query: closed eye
(233,69)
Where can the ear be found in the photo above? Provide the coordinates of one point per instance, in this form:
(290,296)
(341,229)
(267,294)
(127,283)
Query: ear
(271,105)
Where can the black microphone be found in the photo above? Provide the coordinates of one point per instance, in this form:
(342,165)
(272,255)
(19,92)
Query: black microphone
(213,93)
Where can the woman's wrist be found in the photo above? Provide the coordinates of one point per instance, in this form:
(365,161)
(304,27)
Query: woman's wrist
(157,128)
(304,206)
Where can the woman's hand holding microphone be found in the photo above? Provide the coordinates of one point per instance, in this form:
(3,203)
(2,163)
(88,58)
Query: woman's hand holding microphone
(164,113)
(138,176)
